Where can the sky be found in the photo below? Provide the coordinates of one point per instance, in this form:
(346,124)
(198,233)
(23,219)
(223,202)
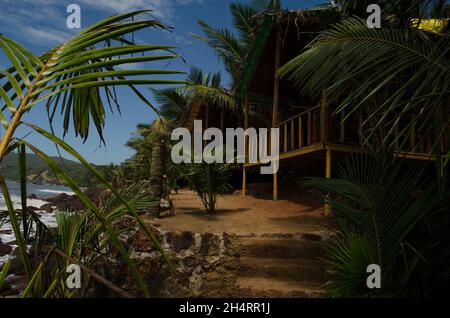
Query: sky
(41,24)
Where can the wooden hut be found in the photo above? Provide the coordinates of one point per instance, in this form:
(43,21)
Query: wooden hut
(311,138)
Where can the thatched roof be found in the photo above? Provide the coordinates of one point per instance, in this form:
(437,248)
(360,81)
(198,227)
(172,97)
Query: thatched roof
(293,25)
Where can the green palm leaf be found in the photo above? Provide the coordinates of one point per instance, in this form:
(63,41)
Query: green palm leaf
(404,73)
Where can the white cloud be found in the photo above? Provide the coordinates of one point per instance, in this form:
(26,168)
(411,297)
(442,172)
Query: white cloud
(44,21)
(46,36)
(162,9)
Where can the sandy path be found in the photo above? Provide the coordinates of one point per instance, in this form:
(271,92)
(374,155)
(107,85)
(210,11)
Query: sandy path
(245,216)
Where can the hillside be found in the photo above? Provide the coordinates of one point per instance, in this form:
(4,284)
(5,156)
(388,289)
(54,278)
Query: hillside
(39,172)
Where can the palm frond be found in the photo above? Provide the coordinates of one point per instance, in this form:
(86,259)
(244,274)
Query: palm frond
(406,70)
(382,202)
(72,75)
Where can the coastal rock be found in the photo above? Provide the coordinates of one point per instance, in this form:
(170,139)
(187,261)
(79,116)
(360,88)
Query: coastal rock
(5,249)
(67,202)
(32,208)
(16,267)
(33,197)
(48,207)
(203,265)
(16,284)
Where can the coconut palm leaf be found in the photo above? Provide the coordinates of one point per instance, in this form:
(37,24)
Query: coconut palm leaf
(382,202)
(401,74)
(173,104)
(70,79)
(72,74)
(227,46)
(232,48)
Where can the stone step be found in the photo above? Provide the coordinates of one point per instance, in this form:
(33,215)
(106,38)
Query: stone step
(274,288)
(280,248)
(289,269)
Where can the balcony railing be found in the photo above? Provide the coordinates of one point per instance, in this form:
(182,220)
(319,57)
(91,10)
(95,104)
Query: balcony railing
(316,126)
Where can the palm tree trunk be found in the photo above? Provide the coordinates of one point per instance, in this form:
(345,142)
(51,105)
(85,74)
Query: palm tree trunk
(157,169)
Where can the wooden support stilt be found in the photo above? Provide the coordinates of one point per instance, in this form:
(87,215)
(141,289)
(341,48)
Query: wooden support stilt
(328,208)
(244,181)
(310,130)
(276,93)
(292,135)
(300,132)
(285,134)
(246,145)
(276,85)
(246,111)
(324,123)
(275,186)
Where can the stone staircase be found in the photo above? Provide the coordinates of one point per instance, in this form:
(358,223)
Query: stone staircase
(277,267)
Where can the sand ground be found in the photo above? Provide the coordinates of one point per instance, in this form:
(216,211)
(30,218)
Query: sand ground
(246,215)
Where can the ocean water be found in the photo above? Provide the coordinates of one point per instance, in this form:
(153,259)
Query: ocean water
(41,191)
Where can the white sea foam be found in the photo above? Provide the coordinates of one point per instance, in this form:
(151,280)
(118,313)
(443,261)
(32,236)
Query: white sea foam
(41,191)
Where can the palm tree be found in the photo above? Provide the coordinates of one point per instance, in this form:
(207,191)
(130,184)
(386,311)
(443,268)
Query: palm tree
(232,49)
(139,143)
(208,180)
(383,206)
(396,74)
(174,107)
(76,78)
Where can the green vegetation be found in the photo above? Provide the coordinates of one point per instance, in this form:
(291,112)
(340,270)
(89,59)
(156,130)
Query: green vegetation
(208,181)
(382,206)
(73,79)
(81,236)
(37,171)
(392,214)
(392,75)
(152,143)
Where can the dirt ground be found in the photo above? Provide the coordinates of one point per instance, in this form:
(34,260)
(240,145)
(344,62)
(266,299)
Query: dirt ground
(247,215)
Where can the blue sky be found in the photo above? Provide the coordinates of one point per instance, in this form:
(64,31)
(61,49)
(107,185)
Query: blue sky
(41,25)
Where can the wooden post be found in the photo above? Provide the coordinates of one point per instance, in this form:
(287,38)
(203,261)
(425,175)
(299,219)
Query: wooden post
(300,132)
(324,123)
(276,88)
(244,181)
(328,208)
(244,171)
(292,135)
(276,92)
(275,186)
(396,143)
(246,111)
(310,129)
(412,139)
(285,137)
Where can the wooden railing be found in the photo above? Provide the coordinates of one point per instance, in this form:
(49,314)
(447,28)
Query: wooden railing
(302,130)
(415,143)
(316,126)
